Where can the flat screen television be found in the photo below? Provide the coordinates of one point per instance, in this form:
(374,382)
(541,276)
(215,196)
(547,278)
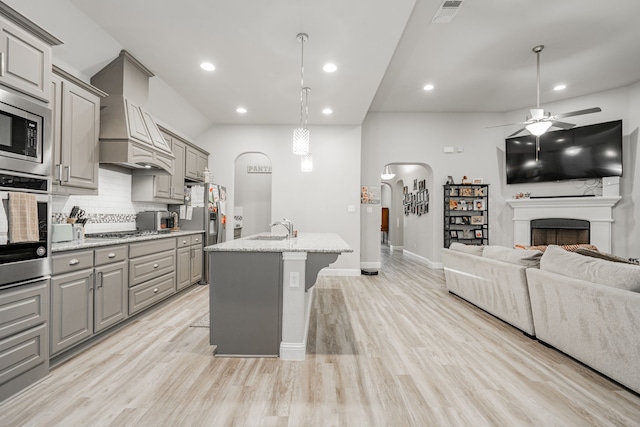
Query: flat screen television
(593,151)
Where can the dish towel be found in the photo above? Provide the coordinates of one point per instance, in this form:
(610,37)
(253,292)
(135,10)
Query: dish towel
(23,218)
(4,223)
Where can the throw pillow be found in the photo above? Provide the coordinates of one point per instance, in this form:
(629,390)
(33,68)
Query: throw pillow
(571,264)
(469,249)
(570,248)
(527,258)
(602,255)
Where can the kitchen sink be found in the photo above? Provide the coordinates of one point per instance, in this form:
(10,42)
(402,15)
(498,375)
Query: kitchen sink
(269,237)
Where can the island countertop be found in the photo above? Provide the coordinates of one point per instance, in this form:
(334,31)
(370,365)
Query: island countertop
(305,242)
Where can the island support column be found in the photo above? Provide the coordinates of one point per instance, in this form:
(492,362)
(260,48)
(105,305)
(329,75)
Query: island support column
(296,306)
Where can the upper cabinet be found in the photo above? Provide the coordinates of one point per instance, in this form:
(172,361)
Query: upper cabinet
(25,54)
(197,161)
(76,126)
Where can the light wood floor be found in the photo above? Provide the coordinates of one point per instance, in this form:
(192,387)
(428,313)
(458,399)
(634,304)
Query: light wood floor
(389,350)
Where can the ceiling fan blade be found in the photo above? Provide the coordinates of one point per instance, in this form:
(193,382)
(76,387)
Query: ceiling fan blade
(508,124)
(516,132)
(578,113)
(562,125)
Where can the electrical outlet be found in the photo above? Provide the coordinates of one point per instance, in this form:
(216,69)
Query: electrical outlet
(294,279)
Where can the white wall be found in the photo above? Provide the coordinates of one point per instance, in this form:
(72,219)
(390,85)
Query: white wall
(252,192)
(316,201)
(411,138)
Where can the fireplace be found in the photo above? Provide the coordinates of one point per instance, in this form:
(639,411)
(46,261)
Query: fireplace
(559,231)
(597,211)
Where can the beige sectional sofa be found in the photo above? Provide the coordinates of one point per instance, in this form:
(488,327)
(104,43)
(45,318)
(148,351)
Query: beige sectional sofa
(494,279)
(589,309)
(586,307)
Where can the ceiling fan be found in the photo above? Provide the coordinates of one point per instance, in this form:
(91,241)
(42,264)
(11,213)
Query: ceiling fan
(538,122)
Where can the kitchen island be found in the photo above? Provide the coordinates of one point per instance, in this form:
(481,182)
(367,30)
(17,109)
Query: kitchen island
(261,290)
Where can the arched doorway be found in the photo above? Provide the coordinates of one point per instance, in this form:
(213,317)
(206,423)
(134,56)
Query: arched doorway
(252,194)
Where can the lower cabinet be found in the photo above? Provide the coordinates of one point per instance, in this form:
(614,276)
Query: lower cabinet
(189,260)
(87,298)
(24,336)
(152,272)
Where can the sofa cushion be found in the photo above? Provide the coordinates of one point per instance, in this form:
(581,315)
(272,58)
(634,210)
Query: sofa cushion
(570,248)
(527,258)
(602,255)
(469,249)
(618,275)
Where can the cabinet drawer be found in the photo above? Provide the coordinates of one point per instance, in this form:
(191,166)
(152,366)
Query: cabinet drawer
(151,266)
(110,255)
(23,307)
(196,239)
(151,247)
(23,351)
(72,261)
(147,294)
(184,241)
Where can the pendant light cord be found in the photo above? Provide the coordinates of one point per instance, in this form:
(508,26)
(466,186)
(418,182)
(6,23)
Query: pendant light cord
(302,37)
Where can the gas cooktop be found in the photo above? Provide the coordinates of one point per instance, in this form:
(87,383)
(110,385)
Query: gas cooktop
(125,234)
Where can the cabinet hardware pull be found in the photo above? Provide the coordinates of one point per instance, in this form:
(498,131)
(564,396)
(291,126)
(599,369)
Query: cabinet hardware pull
(68,169)
(100,278)
(59,167)
(112,255)
(184,242)
(74,261)
(155,290)
(2,64)
(155,265)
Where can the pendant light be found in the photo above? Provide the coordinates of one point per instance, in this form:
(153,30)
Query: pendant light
(387,173)
(306,163)
(301,133)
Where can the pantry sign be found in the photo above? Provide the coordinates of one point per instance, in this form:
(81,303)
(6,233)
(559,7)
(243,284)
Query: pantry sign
(259,169)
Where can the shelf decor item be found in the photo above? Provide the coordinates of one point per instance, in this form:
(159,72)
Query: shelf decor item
(466,214)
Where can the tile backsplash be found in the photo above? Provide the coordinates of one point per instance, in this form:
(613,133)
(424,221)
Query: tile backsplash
(111,210)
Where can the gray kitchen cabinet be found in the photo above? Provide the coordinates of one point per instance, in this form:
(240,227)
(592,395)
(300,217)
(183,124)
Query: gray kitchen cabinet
(196,161)
(24,336)
(25,54)
(87,298)
(152,272)
(189,260)
(76,125)
(162,188)
(111,273)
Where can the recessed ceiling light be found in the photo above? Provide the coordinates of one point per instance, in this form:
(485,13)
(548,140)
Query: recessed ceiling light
(241,110)
(428,87)
(327,111)
(330,68)
(560,87)
(207,66)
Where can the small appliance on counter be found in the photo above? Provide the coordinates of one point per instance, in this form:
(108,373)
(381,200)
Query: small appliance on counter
(154,220)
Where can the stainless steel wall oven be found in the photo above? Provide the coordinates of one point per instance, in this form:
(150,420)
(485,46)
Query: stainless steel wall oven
(26,260)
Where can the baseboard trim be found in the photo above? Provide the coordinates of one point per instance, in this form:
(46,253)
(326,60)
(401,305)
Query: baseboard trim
(339,272)
(396,248)
(426,261)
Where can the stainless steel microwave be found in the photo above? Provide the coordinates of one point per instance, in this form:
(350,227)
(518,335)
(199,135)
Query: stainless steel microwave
(25,135)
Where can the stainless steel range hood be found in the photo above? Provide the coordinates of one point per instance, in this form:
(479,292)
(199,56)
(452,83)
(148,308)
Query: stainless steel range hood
(129,136)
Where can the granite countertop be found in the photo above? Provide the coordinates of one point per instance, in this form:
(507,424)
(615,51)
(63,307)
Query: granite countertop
(97,242)
(305,242)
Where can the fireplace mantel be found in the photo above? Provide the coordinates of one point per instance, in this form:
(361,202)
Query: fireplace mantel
(596,210)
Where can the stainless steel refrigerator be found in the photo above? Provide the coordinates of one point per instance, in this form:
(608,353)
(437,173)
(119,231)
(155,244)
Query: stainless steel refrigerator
(204,208)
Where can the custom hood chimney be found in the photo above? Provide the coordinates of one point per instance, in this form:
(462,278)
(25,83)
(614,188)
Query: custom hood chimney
(128,134)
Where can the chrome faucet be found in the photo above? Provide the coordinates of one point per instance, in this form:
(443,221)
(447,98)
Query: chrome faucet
(286,223)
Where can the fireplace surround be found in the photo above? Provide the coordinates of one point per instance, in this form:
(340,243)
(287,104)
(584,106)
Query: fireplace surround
(596,210)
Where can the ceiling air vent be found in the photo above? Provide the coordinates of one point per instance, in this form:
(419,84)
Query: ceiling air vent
(447,11)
